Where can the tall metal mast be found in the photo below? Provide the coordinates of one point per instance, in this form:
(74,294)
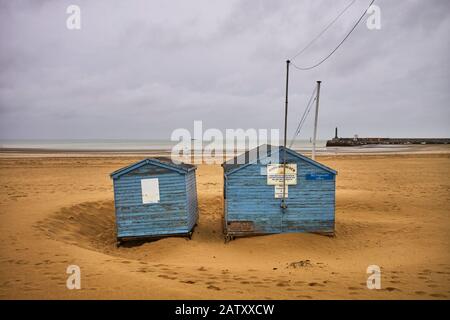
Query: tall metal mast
(283,201)
(313,156)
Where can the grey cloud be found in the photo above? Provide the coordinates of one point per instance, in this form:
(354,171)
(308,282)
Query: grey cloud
(140,69)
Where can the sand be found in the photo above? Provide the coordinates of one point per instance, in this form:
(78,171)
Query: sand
(392,211)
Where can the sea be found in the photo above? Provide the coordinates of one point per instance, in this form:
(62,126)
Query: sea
(124,144)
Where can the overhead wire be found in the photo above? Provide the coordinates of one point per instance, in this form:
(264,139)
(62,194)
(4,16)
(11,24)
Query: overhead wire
(304,116)
(338,46)
(312,98)
(324,30)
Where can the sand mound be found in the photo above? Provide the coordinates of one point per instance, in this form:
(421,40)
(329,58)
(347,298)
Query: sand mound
(88,225)
(91,225)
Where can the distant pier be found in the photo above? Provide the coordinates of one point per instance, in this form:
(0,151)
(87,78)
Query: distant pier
(350,142)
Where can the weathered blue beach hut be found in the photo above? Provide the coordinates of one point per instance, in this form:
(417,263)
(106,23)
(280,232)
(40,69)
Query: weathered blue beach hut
(155,197)
(253,193)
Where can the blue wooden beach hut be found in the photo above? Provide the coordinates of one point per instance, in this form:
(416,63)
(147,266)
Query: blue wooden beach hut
(155,197)
(253,191)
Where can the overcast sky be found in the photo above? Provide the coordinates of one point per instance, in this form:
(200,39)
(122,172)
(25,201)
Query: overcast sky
(140,69)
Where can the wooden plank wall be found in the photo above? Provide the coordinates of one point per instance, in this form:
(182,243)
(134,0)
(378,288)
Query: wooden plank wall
(135,219)
(191,199)
(311,203)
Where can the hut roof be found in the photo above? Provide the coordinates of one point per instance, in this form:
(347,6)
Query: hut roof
(158,161)
(253,156)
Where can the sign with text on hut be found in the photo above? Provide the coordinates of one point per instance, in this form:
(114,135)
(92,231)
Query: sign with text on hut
(279,192)
(275,177)
(275,174)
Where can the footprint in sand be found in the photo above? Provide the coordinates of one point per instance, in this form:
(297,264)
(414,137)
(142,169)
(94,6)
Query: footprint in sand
(390,289)
(315,284)
(438,295)
(353,288)
(164,276)
(282,284)
(420,293)
(211,287)
(144,270)
(160,265)
(394,281)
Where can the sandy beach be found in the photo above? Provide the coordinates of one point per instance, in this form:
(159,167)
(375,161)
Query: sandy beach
(393,210)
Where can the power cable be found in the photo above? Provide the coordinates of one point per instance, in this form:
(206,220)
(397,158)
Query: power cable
(337,47)
(324,30)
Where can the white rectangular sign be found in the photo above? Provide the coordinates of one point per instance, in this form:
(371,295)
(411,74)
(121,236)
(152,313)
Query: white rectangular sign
(150,190)
(275,174)
(279,192)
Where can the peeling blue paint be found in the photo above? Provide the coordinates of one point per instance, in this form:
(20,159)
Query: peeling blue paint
(249,200)
(175,213)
